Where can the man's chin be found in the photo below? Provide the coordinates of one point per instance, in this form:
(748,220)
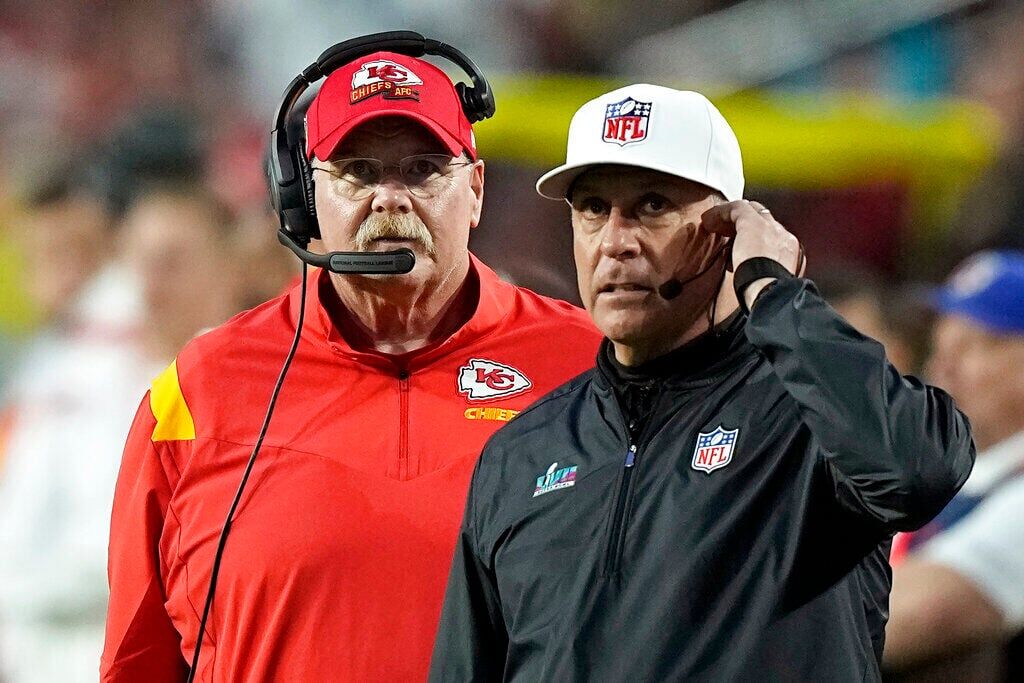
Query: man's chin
(624,327)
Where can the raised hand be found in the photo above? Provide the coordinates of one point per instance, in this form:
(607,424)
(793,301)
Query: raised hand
(755,233)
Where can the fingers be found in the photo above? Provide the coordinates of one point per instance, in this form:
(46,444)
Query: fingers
(756,233)
(718,220)
(761,209)
(800,265)
(722,218)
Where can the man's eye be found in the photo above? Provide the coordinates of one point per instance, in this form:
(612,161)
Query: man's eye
(592,207)
(421,169)
(655,204)
(360,169)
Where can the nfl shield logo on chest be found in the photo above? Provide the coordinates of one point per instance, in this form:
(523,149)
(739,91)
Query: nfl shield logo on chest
(626,122)
(714,449)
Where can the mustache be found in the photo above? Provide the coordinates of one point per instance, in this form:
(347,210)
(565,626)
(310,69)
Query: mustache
(402,226)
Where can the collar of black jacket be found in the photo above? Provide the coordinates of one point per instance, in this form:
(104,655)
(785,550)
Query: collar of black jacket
(698,359)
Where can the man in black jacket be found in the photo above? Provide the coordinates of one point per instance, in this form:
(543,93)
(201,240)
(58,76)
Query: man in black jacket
(715,500)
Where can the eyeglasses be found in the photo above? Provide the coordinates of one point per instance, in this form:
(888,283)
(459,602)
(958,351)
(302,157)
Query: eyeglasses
(423,174)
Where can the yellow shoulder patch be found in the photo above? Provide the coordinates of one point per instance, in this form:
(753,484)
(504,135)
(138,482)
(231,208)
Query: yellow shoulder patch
(173,418)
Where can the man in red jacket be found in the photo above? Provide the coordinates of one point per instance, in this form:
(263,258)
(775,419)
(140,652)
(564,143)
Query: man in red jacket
(340,548)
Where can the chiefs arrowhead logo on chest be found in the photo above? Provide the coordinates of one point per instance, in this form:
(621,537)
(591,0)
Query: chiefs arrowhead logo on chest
(482,380)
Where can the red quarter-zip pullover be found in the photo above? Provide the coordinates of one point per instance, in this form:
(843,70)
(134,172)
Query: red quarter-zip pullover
(339,553)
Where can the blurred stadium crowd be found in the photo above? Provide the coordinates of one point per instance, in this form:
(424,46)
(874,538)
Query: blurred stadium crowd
(133,214)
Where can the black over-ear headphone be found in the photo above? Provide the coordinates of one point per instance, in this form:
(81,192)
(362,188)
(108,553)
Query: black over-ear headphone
(291,178)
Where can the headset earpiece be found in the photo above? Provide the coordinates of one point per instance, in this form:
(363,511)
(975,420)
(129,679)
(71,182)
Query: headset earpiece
(291,189)
(476,104)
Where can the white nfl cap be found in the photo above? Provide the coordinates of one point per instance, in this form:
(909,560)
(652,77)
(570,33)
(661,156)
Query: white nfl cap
(649,126)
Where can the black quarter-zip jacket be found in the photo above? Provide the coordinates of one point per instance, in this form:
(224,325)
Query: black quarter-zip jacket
(739,532)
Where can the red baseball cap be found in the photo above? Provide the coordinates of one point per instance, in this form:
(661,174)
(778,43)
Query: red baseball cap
(387,84)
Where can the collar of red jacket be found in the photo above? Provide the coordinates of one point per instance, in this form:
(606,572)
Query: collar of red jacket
(494,304)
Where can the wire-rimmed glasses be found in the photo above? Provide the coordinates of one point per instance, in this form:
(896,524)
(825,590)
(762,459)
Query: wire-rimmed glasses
(423,174)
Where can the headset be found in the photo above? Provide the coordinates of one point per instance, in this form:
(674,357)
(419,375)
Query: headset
(291,177)
(291,194)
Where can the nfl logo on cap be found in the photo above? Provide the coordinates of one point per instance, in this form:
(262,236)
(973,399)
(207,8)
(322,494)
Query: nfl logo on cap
(626,122)
(680,133)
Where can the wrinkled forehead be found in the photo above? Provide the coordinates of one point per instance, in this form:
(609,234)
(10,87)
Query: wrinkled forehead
(389,138)
(613,180)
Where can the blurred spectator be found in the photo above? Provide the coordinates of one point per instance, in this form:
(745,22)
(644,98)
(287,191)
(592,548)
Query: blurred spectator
(54,245)
(150,145)
(237,173)
(266,266)
(68,70)
(66,236)
(962,585)
(993,74)
(63,238)
(883,312)
(180,242)
(64,232)
(65,413)
(69,413)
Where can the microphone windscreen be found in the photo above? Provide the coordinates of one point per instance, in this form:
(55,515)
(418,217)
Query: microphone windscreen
(670,289)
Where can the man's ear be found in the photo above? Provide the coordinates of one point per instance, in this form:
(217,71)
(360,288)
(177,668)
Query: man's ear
(476,185)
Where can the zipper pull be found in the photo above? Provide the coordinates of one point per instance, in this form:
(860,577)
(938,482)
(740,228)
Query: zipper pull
(631,456)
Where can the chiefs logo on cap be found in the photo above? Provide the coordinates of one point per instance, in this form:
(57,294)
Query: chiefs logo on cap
(386,78)
(483,380)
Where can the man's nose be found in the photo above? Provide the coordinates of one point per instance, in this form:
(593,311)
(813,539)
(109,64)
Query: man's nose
(391,196)
(620,237)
